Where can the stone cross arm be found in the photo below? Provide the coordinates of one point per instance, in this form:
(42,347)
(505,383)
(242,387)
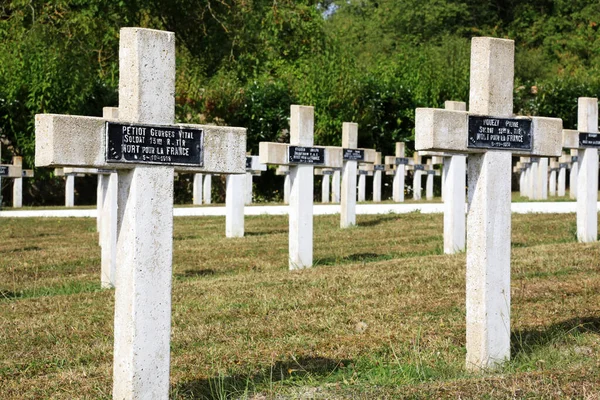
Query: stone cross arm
(78,141)
(447,131)
(277,153)
(14,170)
(573,139)
(253,164)
(11,171)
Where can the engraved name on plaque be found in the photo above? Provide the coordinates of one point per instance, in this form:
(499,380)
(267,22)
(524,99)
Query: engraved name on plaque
(499,133)
(164,145)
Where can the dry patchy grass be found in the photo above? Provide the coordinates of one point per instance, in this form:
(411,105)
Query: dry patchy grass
(380,316)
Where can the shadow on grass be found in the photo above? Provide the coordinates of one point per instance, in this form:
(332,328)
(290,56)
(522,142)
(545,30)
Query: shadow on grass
(223,386)
(274,232)
(354,258)
(378,221)
(524,341)
(26,248)
(374,257)
(67,288)
(194,273)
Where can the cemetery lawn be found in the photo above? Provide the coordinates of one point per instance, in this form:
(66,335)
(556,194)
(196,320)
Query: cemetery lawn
(381,315)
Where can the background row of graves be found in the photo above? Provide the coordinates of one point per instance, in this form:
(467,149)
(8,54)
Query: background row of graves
(143,307)
(533,178)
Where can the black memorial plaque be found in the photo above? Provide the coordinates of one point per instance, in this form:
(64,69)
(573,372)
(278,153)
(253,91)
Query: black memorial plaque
(306,155)
(431,172)
(3,170)
(353,155)
(379,167)
(248,163)
(499,133)
(149,144)
(574,158)
(328,172)
(587,139)
(401,161)
(563,165)
(419,167)
(363,172)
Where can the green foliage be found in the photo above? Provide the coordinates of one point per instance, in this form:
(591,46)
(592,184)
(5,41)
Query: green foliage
(244,62)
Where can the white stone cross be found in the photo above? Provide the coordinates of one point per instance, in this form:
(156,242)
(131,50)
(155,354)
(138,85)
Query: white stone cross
(586,140)
(253,168)
(488,133)
(352,155)
(17,200)
(144,147)
(207,189)
(552,178)
(431,172)
(197,190)
(363,172)
(563,164)
(15,171)
(238,192)
(336,185)
(378,170)
(301,156)
(397,167)
(417,167)
(573,174)
(326,173)
(285,171)
(523,166)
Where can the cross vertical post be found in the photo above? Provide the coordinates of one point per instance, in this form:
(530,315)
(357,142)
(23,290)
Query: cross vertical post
(399,164)
(350,168)
(234,205)
(377,173)
(301,191)
(573,174)
(197,190)
(207,189)
(335,185)
(417,168)
(143,308)
(488,133)
(587,178)
(455,182)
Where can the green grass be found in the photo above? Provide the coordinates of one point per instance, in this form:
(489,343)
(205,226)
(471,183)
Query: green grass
(381,315)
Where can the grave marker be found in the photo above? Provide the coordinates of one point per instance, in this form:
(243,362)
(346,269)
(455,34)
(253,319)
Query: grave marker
(336,182)
(145,198)
(301,156)
(253,167)
(563,164)
(489,215)
(207,189)
(378,169)
(285,171)
(431,172)
(197,189)
(398,163)
(552,180)
(349,172)
(362,183)
(17,200)
(325,182)
(417,167)
(574,174)
(586,140)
